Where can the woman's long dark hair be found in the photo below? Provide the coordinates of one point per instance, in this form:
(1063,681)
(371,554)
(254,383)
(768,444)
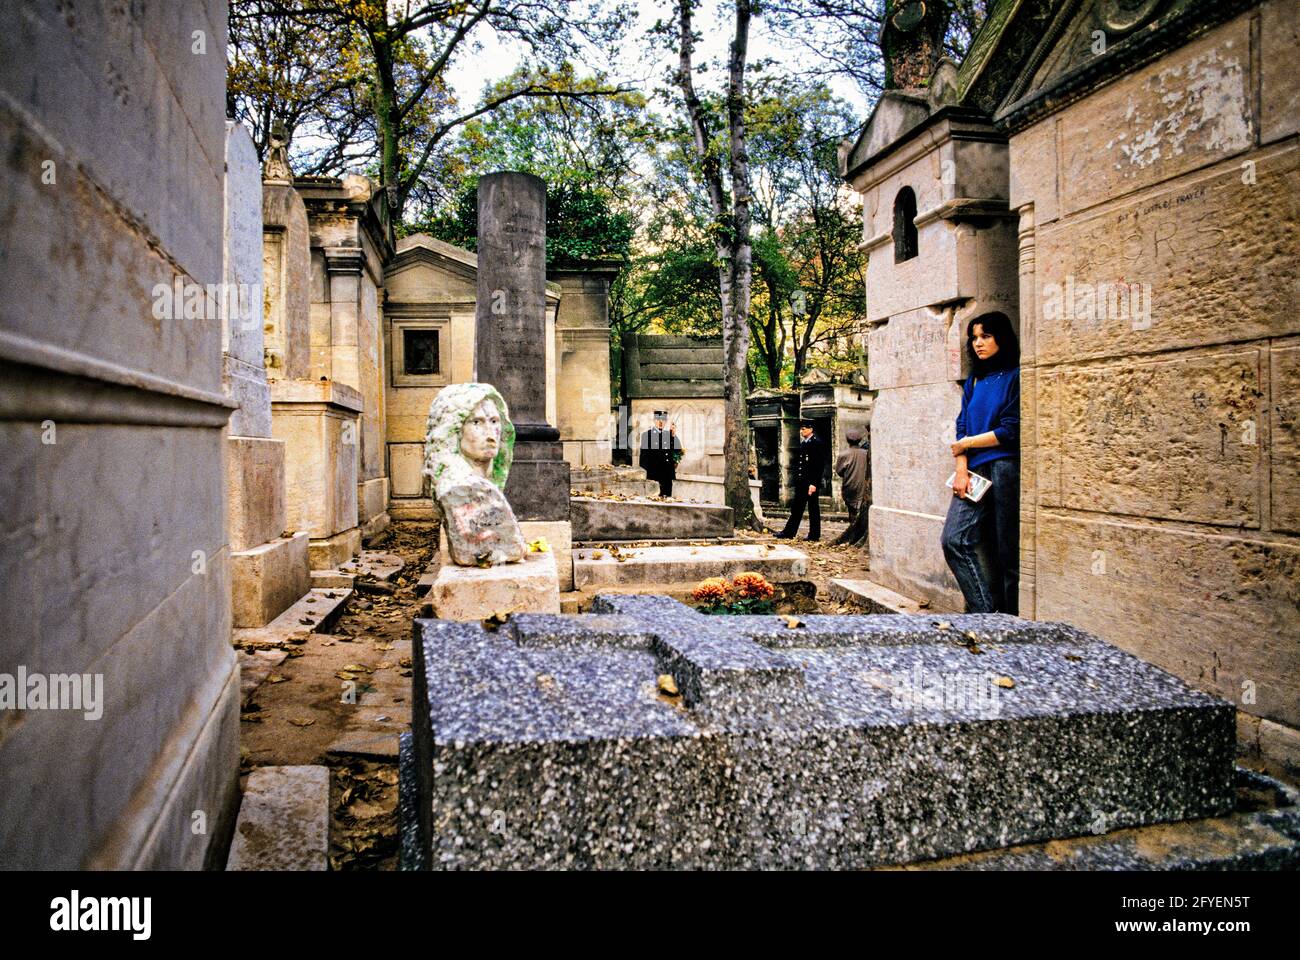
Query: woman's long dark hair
(998,326)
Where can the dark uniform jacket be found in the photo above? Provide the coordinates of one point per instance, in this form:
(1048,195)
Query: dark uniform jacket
(810,463)
(657,453)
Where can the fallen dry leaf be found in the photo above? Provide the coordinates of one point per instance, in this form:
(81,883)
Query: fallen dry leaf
(301,722)
(495,620)
(792,623)
(667,685)
(1005,682)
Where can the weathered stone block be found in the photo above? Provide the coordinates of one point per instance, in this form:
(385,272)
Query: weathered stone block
(148,756)
(911,430)
(405,464)
(241,315)
(582,382)
(372,499)
(627,481)
(1279,82)
(95,480)
(1034,170)
(283,821)
(110,321)
(1284,438)
(550,743)
(1213,607)
(906,556)
(246,385)
(930,277)
(472,593)
(919,346)
(1172,439)
(559,535)
(1190,108)
(115,566)
(647,520)
(329,553)
(1185,267)
(596,567)
(318,422)
(286,264)
(255,491)
(126,104)
(267,579)
(704,489)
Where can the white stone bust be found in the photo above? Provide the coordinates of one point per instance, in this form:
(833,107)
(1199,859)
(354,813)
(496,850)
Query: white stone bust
(468,447)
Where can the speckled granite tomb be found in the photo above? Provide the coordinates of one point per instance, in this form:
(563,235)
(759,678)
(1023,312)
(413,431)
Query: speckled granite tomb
(842,742)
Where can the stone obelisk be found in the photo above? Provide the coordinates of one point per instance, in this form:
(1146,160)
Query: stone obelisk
(510,337)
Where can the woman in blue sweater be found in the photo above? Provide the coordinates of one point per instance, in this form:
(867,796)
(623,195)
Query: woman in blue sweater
(982,540)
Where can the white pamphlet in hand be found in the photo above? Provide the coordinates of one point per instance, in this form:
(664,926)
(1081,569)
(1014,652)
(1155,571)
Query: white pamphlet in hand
(977,488)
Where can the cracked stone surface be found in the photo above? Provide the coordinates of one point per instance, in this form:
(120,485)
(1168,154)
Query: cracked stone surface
(826,741)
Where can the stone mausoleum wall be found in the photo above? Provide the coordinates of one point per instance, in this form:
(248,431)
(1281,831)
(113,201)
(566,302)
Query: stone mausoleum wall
(955,165)
(116,561)
(582,363)
(269,564)
(1161,475)
(350,244)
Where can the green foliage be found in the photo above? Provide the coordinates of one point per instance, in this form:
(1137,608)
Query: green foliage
(742,608)
(580,224)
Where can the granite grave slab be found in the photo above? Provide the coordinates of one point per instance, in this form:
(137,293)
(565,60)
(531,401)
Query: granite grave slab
(648,735)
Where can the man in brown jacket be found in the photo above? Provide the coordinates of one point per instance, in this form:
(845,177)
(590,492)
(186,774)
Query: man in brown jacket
(853,467)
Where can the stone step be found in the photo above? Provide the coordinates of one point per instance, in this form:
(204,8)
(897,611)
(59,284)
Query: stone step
(374,563)
(472,593)
(642,519)
(773,513)
(622,488)
(654,542)
(332,579)
(1263,833)
(628,481)
(606,478)
(873,596)
(262,649)
(598,567)
(283,821)
(316,611)
(427,578)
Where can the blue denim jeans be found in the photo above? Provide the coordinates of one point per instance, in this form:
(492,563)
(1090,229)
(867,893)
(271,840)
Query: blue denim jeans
(982,541)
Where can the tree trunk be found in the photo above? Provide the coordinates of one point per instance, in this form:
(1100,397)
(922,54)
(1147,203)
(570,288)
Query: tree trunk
(732,246)
(389,127)
(735,318)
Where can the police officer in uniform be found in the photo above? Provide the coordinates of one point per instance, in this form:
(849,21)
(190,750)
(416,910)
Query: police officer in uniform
(810,464)
(659,451)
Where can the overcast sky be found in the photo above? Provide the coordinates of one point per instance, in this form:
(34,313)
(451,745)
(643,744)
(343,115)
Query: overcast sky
(714,20)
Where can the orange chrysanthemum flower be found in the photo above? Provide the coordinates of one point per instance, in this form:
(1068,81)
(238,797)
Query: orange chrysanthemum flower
(754,586)
(712,590)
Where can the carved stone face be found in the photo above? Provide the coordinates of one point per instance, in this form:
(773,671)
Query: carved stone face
(480,438)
